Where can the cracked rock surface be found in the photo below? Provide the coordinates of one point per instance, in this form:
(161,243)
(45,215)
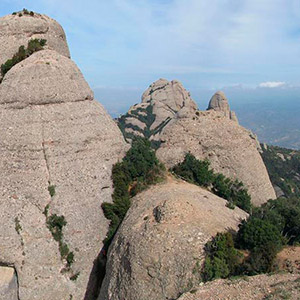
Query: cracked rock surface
(16,31)
(169,116)
(53,133)
(158,251)
(227,145)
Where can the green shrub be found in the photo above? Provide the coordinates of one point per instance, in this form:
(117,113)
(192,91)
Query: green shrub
(138,169)
(199,172)
(222,259)
(284,214)
(18,226)
(55,224)
(33,46)
(256,233)
(195,171)
(70,258)
(51,190)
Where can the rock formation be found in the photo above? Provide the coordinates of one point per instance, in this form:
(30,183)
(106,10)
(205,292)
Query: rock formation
(228,146)
(8,284)
(160,103)
(169,117)
(57,146)
(219,102)
(158,250)
(16,31)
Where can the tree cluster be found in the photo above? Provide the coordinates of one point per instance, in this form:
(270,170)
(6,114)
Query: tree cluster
(199,172)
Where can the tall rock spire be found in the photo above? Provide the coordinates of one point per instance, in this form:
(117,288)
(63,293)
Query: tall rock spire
(219,102)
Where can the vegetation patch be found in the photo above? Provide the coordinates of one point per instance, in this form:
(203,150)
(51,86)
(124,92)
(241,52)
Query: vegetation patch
(55,224)
(51,190)
(18,226)
(222,259)
(283,166)
(147,117)
(138,169)
(198,172)
(75,276)
(24,12)
(34,45)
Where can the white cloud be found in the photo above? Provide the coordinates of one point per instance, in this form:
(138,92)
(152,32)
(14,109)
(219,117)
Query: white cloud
(272,84)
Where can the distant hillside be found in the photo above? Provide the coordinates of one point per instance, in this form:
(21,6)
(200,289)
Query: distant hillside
(283,166)
(272,114)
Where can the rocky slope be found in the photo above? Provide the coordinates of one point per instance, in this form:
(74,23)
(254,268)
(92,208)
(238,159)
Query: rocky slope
(170,119)
(58,146)
(158,250)
(16,31)
(280,286)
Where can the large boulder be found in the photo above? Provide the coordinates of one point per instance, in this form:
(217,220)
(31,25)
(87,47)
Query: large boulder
(158,250)
(16,31)
(161,102)
(57,147)
(228,146)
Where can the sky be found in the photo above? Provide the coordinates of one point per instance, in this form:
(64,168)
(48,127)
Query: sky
(122,46)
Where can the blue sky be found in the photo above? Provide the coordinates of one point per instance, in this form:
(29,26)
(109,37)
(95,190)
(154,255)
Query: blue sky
(121,46)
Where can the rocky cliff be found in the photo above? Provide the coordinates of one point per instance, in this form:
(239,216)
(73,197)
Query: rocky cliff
(170,119)
(16,30)
(158,250)
(57,147)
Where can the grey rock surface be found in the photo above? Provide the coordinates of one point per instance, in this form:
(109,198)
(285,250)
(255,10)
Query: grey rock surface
(34,81)
(266,286)
(228,146)
(53,133)
(8,284)
(16,31)
(161,102)
(158,250)
(219,102)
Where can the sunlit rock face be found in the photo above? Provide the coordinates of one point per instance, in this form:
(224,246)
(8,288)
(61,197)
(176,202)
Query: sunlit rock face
(57,148)
(169,117)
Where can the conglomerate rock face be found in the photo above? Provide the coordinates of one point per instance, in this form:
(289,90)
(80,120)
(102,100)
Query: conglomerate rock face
(158,251)
(16,31)
(57,149)
(219,102)
(8,284)
(228,146)
(160,104)
(169,118)
(276,286)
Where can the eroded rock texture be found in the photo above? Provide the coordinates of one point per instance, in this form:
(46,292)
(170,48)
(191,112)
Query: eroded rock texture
(55,139)
(8,284)
(16,31)
(160,104)
(158,250)
(170,119)
(227,145)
